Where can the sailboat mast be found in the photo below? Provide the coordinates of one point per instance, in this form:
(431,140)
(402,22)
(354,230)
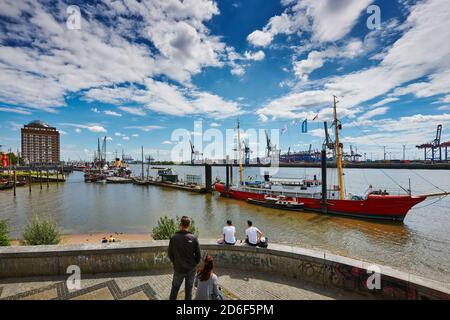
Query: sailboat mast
(148,166)
(10,162)
(99,156)
(338,148)
(142,162)
(241,175)
(98,150)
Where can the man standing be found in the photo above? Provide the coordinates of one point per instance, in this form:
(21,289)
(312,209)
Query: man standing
(184,252)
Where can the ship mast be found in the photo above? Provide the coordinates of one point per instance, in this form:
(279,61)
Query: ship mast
(10,162)
(142,160)
(338,151)
(241,175)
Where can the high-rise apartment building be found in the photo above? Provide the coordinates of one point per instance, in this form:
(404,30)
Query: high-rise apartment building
(40,143)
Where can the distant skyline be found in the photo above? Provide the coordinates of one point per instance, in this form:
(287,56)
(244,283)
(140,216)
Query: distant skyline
(137,71)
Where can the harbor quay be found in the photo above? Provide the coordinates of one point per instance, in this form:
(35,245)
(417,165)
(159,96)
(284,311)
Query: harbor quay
(351,165)
(142,270)
(409,245)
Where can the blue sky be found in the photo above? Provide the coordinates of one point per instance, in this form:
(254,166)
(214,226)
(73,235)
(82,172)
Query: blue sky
(136,71)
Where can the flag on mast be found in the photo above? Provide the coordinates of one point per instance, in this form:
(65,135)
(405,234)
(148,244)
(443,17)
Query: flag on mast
(305,126)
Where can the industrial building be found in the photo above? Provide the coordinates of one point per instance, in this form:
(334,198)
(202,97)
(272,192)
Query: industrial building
(300,156)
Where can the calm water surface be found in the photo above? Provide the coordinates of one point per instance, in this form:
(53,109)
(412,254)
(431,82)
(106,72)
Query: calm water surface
(420,245)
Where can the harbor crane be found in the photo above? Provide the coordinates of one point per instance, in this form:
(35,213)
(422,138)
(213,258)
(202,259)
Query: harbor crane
(329,143)
(195,154)
(436,150)
(100,155)
(126,158)
(149,159)
(269,146)
(353,156)
(247,152)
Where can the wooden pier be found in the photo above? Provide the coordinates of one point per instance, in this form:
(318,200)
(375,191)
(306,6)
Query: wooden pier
(16,178)
(191,187)
(178,186)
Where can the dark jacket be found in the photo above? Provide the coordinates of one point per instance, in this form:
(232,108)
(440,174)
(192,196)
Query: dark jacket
(184,251)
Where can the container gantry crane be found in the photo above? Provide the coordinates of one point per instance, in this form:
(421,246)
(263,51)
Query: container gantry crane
(436,150)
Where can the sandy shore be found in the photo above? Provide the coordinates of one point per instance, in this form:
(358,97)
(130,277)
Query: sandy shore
(96,238)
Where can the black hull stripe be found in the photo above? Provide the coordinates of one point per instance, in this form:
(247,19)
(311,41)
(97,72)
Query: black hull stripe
(396,218)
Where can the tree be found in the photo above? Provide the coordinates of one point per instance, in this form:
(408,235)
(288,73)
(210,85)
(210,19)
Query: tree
(12,158)
(41,231)
(4,234)
(167,227)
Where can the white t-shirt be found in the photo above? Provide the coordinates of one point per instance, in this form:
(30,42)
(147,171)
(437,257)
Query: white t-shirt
(229,232)
(252,234)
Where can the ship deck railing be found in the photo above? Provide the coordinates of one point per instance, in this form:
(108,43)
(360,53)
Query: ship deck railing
(285,193)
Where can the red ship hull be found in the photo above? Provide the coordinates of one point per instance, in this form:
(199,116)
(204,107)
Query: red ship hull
(381,207)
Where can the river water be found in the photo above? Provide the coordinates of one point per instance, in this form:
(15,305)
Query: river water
(421,245)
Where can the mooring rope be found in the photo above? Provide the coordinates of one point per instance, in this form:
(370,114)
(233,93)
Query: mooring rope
(392,179)
(426,180)
(429,204)
(420,176)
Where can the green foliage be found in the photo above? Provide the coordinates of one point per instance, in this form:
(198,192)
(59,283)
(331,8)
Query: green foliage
(167,227)
(12,158)
(41,231)
(4,234)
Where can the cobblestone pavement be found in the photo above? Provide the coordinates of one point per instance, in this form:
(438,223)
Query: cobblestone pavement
(156,285)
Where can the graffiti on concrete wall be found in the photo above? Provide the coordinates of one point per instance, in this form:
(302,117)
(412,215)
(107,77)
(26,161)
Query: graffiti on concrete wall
(398,290)
(326,272)
(354,278)
(221,257)
(242,259)
(334,273)
(310,270)
(345,275)
(161,258)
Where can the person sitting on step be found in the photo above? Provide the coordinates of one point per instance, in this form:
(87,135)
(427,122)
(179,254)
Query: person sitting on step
(229,234)
(252,234)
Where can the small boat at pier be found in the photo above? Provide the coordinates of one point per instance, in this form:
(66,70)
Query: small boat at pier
(167,175)
(278,202)
(168,178)
(6,185)
(142,182)
(94,177)
(108,173)
(119,180)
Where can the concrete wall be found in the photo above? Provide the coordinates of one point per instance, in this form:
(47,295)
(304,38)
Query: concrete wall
(293,262)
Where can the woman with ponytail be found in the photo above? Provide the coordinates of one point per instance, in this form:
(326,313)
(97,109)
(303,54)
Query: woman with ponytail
(206,282)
